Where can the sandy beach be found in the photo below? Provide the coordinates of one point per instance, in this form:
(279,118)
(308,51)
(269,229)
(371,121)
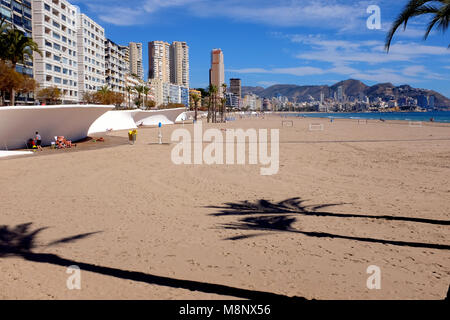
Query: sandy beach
(141,227)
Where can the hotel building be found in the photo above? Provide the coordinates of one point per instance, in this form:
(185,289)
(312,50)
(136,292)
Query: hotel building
(217,71)
(91,55)
(115,66)
(179,63)
(136,62)
(159,61)
(55,31)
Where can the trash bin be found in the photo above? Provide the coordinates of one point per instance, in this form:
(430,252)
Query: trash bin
(132,136)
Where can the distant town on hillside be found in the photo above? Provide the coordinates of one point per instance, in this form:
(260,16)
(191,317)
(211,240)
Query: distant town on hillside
(345,96)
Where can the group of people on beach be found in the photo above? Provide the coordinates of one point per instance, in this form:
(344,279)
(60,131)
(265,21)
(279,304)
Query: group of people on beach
(36,142)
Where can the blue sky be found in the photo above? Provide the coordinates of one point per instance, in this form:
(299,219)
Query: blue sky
(303,42)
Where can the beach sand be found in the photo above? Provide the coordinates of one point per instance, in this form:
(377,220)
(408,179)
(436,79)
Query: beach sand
(388,184)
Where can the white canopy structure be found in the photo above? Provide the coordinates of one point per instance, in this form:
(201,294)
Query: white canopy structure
(154,117)
(114,121)
(18,124)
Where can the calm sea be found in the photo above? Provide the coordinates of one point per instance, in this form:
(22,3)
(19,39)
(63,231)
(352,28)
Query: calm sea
(438,116)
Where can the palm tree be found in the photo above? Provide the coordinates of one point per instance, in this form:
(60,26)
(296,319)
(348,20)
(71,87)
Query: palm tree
(195,98)
(439,9)
(145,91)
(212,89)
(140,91)
(224,100)
(129,91)
(17,48)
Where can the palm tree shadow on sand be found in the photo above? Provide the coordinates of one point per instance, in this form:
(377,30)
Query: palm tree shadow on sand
(20,241)
(263,215)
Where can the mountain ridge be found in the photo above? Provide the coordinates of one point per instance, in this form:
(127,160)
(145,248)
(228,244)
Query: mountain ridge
(351,88)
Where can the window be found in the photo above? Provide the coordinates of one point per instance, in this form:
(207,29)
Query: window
(56,24)
(48,67)
(57,80)
(56,46)
(56,58)
(57,69)
(47,7)
(48,43)
(56,35)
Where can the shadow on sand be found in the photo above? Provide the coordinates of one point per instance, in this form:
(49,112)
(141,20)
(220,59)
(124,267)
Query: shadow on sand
(264,215)
(20,241)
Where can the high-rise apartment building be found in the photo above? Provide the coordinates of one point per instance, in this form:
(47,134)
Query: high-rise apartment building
(91,55)
(179,63)
(235,87)
(55,31)
(159,61)
(126,58)
(115,66)
(18,14)
(135,55)
(217,71)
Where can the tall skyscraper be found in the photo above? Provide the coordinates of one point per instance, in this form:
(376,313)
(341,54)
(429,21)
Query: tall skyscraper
(340,93)
(159,61)
(235,87)
(217,71)
(55,32)
(91,55)
(136,66)
(179,63)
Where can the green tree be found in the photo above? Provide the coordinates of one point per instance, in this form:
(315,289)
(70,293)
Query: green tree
(223,100)
(50,95)
(438,9)
(145,92)
(16,48)
(140,90)
(212,89)
(195,99)
(129,91)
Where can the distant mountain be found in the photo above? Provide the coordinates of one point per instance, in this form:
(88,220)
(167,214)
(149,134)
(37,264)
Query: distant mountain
(254,90)
(351,88)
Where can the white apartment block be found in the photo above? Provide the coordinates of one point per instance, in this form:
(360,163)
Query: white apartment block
(136,62)
(179,63)
(91,55)
(126,57)
(115,65)
(159,61)
(55,31)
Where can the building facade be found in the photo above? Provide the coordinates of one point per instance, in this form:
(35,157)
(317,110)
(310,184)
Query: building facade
(126,58)
(159,61)
(54,23)
(91,55)
(217,71)
(115,66)
(19,15)
(235,87)
(179,63)
(136,62)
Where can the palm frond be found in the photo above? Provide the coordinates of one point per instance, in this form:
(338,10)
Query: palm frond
(412,9)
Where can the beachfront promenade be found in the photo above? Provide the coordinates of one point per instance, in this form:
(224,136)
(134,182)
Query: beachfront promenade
(18,124)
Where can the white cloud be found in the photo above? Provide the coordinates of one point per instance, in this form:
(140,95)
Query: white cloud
(338,14)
